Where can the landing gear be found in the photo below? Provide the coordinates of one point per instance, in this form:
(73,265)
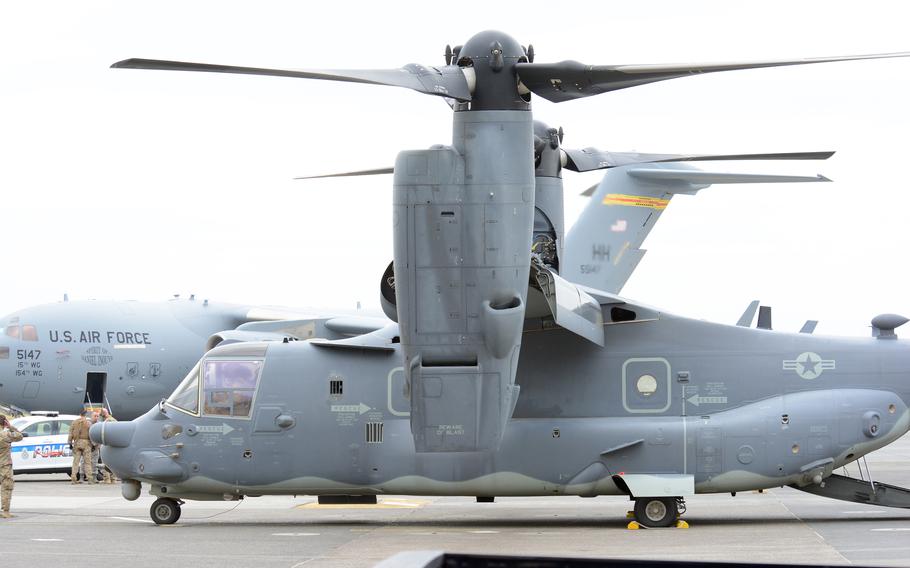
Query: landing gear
(655,512)
(165,511)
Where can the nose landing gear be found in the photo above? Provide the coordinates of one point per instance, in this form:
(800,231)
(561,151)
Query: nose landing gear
(165,511)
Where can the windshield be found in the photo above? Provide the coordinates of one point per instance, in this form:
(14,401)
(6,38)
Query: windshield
(186,396)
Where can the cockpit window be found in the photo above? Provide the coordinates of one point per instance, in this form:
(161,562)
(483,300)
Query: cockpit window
(229,386)
(186,396)
(29,333)
(12,331)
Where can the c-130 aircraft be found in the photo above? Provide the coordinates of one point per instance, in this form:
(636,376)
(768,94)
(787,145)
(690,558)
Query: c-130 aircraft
(501,377)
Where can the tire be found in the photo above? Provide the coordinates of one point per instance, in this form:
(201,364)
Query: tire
(165,511)
(654,512)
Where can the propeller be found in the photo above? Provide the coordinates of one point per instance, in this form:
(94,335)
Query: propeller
(590,159)
(376,172)
(492,71)
(449,81)
(568,80)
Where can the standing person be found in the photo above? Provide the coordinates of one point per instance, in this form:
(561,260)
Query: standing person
(8,435)
(96,450)
(109,476)
(82,447)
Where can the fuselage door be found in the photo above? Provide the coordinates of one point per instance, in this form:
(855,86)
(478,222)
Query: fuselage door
(95,385)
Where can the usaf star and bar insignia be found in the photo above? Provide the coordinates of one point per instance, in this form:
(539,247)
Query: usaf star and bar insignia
(809,365)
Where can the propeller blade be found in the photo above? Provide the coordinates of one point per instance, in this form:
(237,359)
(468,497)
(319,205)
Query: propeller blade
(589,159)
(568,80)
(448,81)
(375,172)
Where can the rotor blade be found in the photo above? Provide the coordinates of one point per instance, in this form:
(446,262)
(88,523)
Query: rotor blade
(568,80)
(589,159)
(375,172)
(448,81)
(700,177)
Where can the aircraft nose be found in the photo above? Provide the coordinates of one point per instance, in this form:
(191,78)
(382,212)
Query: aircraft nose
(115,434)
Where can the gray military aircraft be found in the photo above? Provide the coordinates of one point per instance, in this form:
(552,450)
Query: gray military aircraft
(127,356)
(608,396)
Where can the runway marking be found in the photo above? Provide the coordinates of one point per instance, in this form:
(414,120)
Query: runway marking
(133,519)
(901,529)
(295,534)
(383,504)
(484,532)
(47,539)
(865,512)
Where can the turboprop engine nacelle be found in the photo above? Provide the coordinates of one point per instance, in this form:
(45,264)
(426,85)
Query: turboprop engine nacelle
(462,223)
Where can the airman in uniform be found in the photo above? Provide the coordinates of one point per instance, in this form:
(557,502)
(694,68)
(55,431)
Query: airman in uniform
(8,435)
(82,447)
(106,416)
(96,451)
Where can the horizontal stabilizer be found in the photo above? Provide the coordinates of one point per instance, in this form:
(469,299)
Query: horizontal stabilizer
(699,177)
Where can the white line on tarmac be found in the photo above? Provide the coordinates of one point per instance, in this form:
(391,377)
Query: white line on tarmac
(133,519)
(892,530)
(47,539)
(295,534)
(865,512)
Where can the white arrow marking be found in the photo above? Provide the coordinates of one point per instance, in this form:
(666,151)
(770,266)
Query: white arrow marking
(696,400)
(224,429)
(359,408)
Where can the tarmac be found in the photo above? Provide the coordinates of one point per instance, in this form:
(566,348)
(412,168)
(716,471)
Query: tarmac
(60,524)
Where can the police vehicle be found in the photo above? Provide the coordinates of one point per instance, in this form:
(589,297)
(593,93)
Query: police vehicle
(44,447)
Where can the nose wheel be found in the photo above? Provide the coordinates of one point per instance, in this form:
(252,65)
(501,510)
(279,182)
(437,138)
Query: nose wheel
(165,511)
(657,511)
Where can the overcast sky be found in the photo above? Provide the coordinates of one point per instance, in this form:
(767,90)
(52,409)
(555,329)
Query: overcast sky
(125,184)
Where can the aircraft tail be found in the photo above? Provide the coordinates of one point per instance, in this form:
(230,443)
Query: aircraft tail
(603,248)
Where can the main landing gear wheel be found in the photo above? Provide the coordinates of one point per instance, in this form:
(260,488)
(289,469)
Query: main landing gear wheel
(165,511)
(656,511)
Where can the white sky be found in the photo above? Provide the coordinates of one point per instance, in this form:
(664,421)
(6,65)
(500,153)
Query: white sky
(124,184)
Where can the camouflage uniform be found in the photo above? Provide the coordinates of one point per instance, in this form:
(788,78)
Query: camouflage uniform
(82,448)
(96,454)
(109,476)
(7,436)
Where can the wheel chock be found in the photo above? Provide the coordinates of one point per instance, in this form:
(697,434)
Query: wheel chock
(681,524)
(630,514)
(633,526)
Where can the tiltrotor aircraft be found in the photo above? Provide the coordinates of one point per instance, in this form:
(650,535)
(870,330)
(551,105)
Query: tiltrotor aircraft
(502,377)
